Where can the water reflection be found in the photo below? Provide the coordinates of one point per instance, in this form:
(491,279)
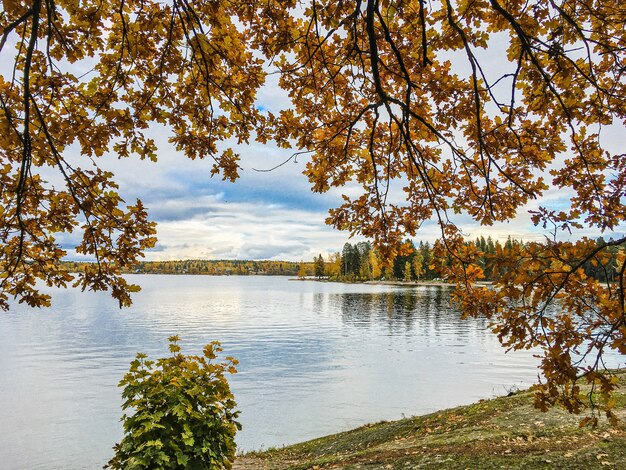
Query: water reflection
(315,358)
(426,309)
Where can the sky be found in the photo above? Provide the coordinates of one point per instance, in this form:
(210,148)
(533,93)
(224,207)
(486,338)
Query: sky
(263,215)
(273,215)
(266,215)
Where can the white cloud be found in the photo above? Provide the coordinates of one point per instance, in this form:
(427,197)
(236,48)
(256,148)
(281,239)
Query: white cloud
(274,215)
(225,230)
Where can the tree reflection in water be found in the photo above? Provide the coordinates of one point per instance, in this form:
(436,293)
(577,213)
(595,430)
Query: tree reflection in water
(404,310)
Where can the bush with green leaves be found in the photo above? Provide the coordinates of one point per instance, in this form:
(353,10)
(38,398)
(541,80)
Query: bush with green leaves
(183,412)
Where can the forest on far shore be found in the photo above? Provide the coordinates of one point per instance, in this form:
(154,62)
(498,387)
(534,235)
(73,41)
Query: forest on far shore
(356,262)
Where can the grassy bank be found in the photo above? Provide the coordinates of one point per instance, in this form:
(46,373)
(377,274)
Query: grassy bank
(505,432)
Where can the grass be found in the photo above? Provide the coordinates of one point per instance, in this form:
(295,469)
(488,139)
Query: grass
(506,432)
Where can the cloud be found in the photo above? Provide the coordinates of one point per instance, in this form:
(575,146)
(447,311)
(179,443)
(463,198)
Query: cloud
(273,215)
(264,215)
(245,230)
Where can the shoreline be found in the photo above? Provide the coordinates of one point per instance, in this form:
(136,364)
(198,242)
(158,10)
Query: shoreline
(502,432)
(393,283)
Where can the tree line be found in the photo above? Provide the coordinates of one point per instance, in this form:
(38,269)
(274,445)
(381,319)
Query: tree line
(363,262)
(209,267)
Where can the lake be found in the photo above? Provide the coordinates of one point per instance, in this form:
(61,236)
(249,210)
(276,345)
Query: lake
(315,358)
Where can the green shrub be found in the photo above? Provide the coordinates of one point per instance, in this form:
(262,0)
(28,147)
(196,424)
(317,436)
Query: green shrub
(183,412)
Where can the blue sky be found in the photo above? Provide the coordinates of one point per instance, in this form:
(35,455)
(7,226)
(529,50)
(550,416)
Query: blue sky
(270,215)
(263,215)
(275,215)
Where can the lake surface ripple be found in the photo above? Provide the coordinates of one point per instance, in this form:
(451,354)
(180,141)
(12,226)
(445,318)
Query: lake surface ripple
(315,358)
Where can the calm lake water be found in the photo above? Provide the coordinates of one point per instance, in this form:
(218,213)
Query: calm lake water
(315,358)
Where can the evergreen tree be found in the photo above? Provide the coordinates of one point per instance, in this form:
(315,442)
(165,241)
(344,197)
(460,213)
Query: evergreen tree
(319,266)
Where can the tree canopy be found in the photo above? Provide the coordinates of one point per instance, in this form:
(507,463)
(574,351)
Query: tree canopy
(447,110)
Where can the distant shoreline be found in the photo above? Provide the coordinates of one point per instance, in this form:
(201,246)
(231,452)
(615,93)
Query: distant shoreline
(398,283)
(391,283)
